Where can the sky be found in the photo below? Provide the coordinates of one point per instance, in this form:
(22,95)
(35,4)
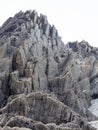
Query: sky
(75,20)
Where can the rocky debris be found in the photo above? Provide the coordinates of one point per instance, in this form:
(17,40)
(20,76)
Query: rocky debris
(43,79)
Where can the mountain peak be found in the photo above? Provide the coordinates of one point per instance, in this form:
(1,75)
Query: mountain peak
(30,19)
(41,79)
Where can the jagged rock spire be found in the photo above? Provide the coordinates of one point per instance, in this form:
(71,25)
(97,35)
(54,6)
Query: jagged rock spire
(43,79)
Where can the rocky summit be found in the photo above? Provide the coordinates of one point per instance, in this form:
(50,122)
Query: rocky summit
(45,84)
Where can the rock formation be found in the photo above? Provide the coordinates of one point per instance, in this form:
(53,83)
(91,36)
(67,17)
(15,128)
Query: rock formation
(44,84)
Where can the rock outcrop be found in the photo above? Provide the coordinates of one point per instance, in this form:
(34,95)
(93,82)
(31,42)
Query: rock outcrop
(44,84)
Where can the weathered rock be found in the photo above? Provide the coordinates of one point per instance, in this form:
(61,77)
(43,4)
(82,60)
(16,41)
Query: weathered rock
(19,61)
(47,109)
(17,106)
(20,85)
(14,128)
(39,107)
(43,79)
(21,121)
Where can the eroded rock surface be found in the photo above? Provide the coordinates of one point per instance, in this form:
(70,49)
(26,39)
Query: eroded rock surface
(44,84)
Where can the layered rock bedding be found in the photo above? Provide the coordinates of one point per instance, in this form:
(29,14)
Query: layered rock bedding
(44,84)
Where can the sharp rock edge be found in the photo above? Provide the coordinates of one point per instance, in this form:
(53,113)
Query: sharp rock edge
(44,84)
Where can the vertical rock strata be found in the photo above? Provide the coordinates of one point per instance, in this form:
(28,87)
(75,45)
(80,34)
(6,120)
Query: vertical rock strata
(44,84)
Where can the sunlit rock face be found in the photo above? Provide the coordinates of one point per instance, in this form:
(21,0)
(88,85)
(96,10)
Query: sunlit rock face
(44,84)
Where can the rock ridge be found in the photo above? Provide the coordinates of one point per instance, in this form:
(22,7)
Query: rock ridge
(44,84)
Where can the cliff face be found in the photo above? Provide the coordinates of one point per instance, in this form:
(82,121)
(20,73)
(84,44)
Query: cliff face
(44,84)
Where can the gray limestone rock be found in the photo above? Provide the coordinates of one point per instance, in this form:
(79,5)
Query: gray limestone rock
(19,61)
(43,79)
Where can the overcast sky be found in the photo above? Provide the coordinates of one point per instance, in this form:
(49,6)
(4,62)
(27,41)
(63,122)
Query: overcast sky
(74,19)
